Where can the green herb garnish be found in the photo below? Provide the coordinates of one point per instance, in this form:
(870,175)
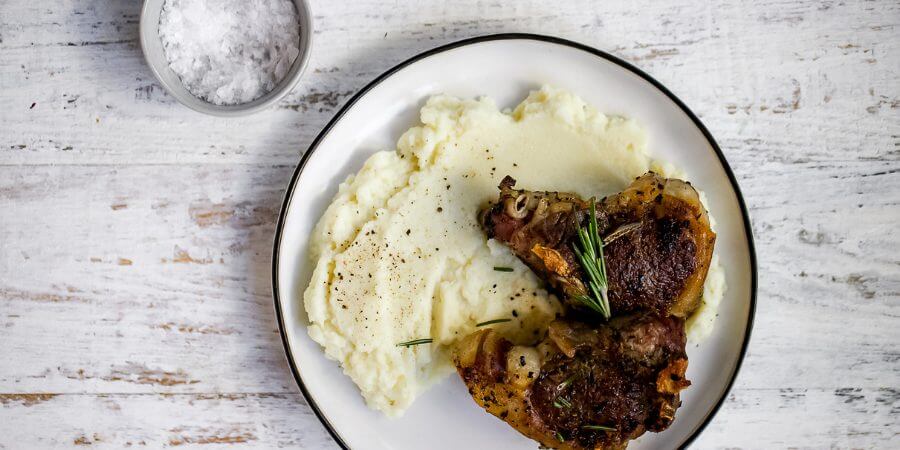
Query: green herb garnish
(560,437)
(503,269)
(561,403)
(490,322)
(415,342)
(598,427)
(566,382)
(594,265)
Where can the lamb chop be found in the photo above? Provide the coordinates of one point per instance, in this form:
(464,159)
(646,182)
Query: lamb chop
(591,384)
(658,241)
(582,387)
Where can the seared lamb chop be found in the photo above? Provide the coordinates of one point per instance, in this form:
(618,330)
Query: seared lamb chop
(582,387)
(657,234)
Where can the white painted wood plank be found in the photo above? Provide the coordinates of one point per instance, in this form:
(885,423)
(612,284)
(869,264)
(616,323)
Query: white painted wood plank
(181,421)
(785,74)
(793,419)
(805,419)
(147,282)
(140,279)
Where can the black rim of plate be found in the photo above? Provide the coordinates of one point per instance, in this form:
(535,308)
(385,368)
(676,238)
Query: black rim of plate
(748,231)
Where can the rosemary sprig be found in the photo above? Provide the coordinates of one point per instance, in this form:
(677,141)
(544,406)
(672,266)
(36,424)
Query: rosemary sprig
(490,322)
(503,269)
(415,342)
(566,382)
(560,437)
(598,427)
(561,403)
(590,255)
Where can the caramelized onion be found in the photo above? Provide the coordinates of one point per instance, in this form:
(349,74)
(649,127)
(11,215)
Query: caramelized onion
(621,231)
(540,212)
(517,207)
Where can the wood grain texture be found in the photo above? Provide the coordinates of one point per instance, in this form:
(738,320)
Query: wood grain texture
(135,235)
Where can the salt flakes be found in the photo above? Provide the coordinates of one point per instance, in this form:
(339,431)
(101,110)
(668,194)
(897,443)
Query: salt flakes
(229,52)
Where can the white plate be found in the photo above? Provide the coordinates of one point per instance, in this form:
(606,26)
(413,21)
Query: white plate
(504,67)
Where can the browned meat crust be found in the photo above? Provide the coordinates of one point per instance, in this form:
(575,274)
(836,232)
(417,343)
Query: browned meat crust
(595,388)
(659,242)
(538,227)
(662,265)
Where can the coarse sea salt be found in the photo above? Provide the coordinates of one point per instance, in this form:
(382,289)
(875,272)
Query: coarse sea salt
(229,52)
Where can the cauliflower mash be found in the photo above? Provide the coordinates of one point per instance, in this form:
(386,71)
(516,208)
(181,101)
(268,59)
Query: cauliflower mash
(399,253)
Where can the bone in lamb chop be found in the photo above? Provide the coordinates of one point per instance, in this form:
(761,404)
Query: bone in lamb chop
(657,234)
(581,387)
(591,384)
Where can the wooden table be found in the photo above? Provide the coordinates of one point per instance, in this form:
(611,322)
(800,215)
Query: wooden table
(136,235)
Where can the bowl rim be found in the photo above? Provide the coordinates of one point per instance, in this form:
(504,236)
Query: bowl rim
(148,29)
(288,196)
